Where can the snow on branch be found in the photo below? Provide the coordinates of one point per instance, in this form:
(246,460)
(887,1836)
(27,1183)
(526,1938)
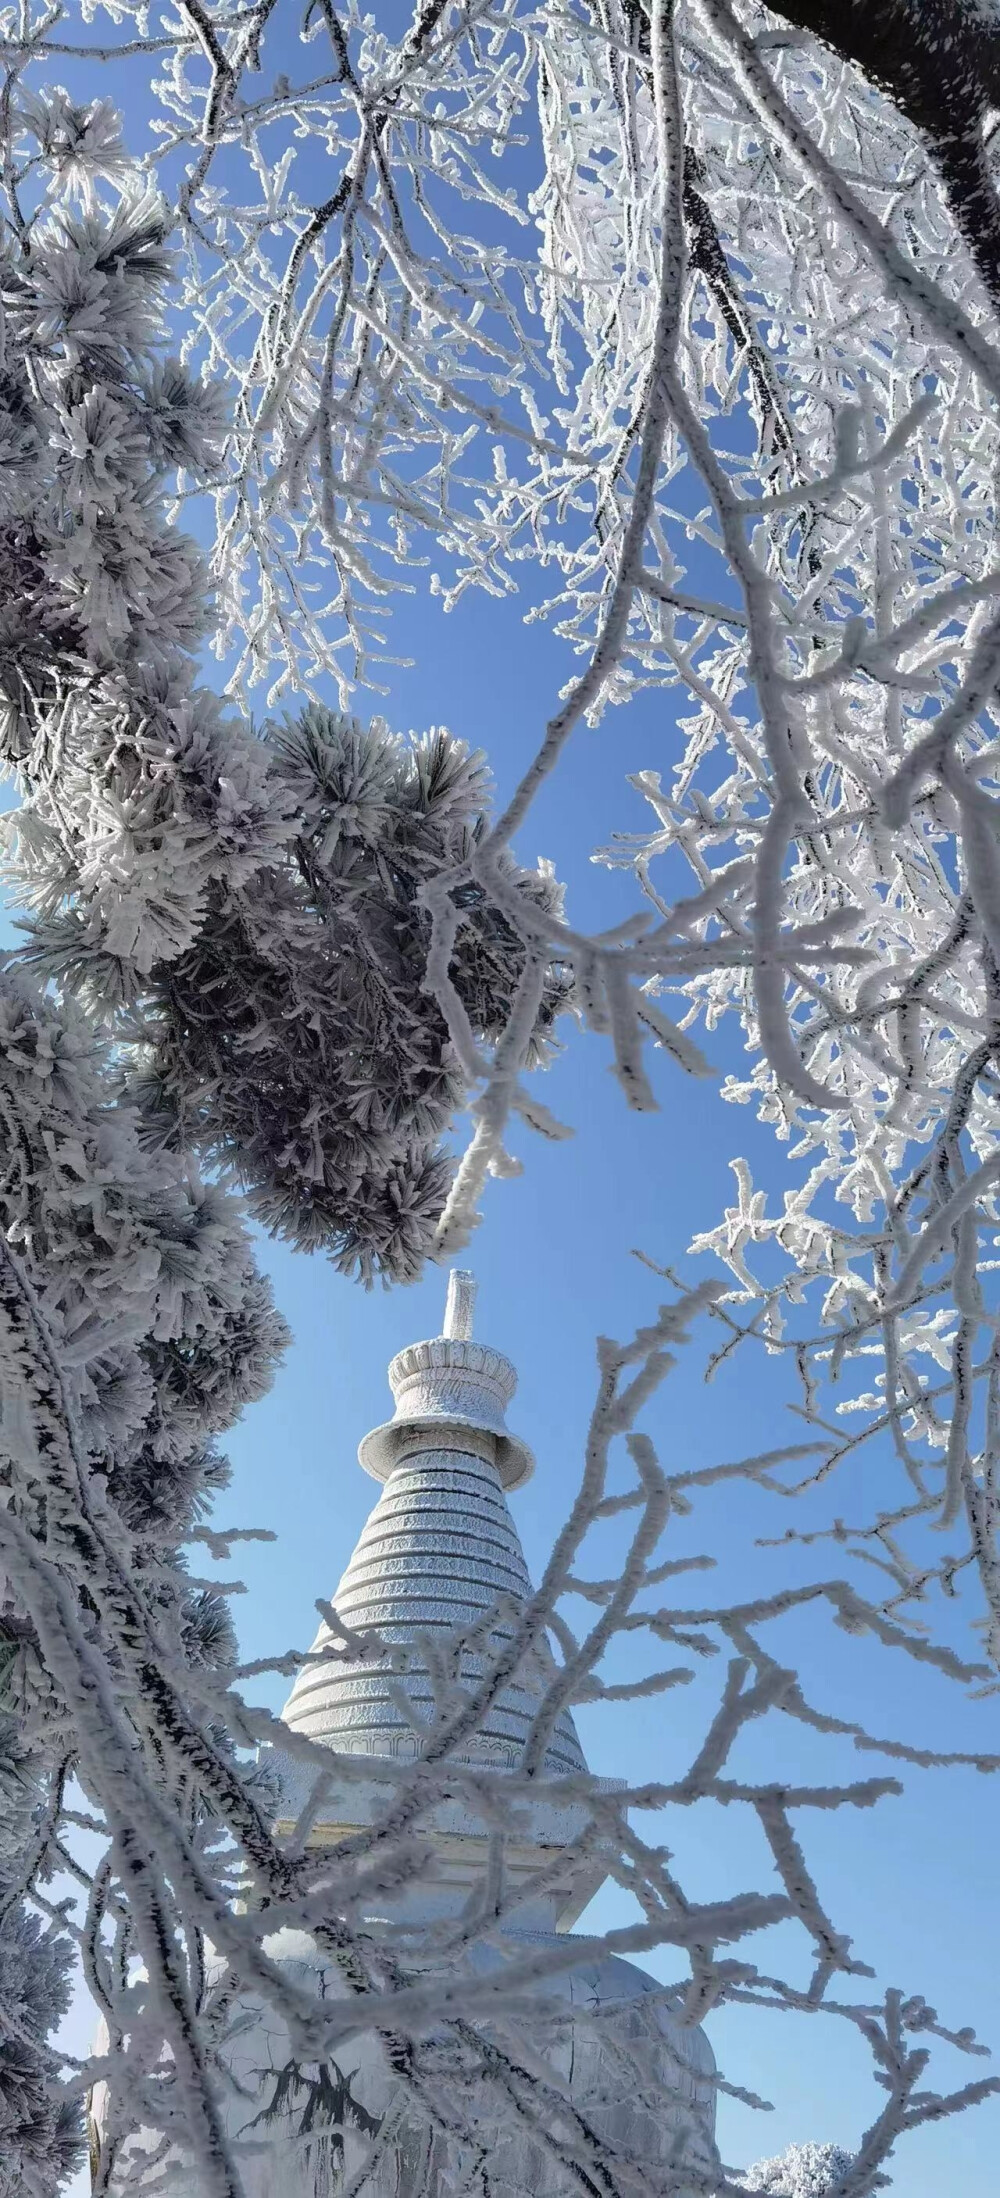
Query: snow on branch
(721,383)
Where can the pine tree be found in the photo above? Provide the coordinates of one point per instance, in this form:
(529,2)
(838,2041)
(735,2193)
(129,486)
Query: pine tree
(739,396)
(240,910)
(41,2135)
(225,968)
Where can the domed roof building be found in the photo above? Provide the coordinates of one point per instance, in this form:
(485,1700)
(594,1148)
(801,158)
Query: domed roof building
(586,2080)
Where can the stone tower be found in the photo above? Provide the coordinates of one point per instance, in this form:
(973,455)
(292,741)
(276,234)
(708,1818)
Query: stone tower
(596,2053)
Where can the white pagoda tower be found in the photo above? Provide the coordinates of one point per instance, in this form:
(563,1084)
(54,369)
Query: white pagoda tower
(598,2057)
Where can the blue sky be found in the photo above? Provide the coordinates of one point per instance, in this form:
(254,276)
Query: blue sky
(916,1880)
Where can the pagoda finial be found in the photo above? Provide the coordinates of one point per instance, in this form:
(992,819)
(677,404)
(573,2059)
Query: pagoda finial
(460,1306)
(447,1386)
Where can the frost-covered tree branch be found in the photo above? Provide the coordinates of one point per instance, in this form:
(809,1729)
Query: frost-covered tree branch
(724,375)
(179,1826)
(671,406)
(242,912)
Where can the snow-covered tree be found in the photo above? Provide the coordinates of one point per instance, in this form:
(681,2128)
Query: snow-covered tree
(243,910)
(802,2171)
(724,373)
(41,2134)
(135,1328)
(744,498)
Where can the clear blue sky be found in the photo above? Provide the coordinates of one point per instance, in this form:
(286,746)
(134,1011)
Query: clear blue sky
(916,1882)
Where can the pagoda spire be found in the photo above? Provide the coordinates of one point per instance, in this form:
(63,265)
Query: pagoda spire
(439,1554)
(460,1306)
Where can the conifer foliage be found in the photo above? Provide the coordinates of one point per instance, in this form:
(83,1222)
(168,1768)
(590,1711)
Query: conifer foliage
(233,927)
(294,1040)
(40,2133)
(242,911)
(134,1328)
